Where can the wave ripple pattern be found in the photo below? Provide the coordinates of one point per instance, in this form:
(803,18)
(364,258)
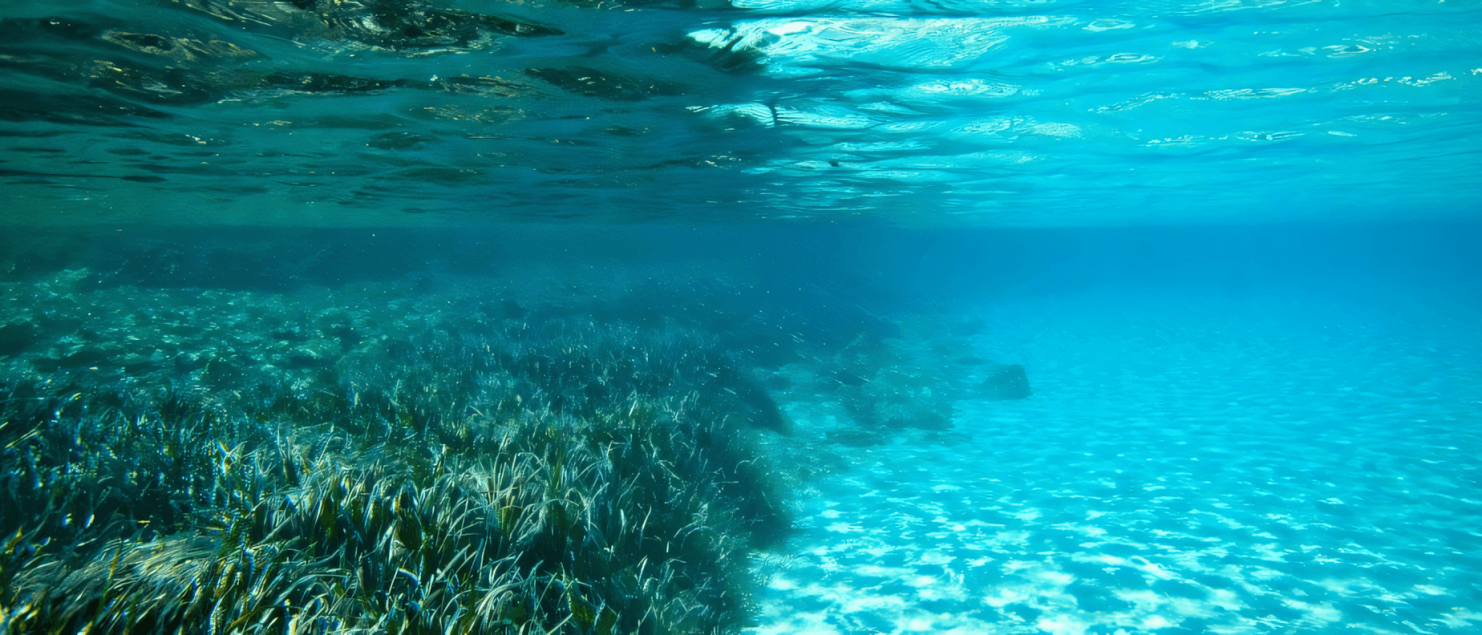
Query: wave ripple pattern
(1208,466)
(990,113)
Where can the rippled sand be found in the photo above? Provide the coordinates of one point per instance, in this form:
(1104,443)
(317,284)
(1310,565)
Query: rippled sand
(1256,463)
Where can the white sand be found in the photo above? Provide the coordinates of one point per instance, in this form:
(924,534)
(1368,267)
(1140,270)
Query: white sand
(1247,463)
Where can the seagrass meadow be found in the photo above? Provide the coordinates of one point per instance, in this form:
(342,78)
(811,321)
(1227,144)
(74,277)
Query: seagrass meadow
(451,496)
(231,461)
(200,439)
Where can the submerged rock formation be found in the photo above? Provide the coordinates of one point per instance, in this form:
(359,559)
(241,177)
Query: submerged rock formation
(1006,381)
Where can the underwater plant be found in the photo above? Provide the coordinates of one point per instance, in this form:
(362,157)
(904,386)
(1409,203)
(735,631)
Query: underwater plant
(570,479)
(394,459)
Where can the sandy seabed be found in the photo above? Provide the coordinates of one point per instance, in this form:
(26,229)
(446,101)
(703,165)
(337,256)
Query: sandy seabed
(1252,462)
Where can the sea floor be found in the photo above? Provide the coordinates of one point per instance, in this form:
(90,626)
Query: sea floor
(1245,462)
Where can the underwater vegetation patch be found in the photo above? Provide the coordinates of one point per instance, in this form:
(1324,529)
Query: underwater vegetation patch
(564,478)
(218,437)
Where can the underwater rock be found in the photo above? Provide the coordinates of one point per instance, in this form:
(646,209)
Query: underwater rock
(877,406)
(1006,381)
(757,407)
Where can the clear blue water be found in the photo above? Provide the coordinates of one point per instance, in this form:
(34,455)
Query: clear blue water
(1235,245)
(1271,462)
(996,113)
(1271,440)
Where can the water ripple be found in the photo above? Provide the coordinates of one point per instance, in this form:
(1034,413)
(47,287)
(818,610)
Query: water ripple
(1127,111)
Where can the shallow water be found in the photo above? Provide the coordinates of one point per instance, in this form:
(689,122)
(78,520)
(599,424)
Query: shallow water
(1234,246)
(1195,462)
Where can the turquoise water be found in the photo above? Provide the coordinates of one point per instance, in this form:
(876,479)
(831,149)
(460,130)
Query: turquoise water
(1234,247)
(1001,113)
(1191,463)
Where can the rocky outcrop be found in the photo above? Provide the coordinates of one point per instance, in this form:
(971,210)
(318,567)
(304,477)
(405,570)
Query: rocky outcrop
(1006,381)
